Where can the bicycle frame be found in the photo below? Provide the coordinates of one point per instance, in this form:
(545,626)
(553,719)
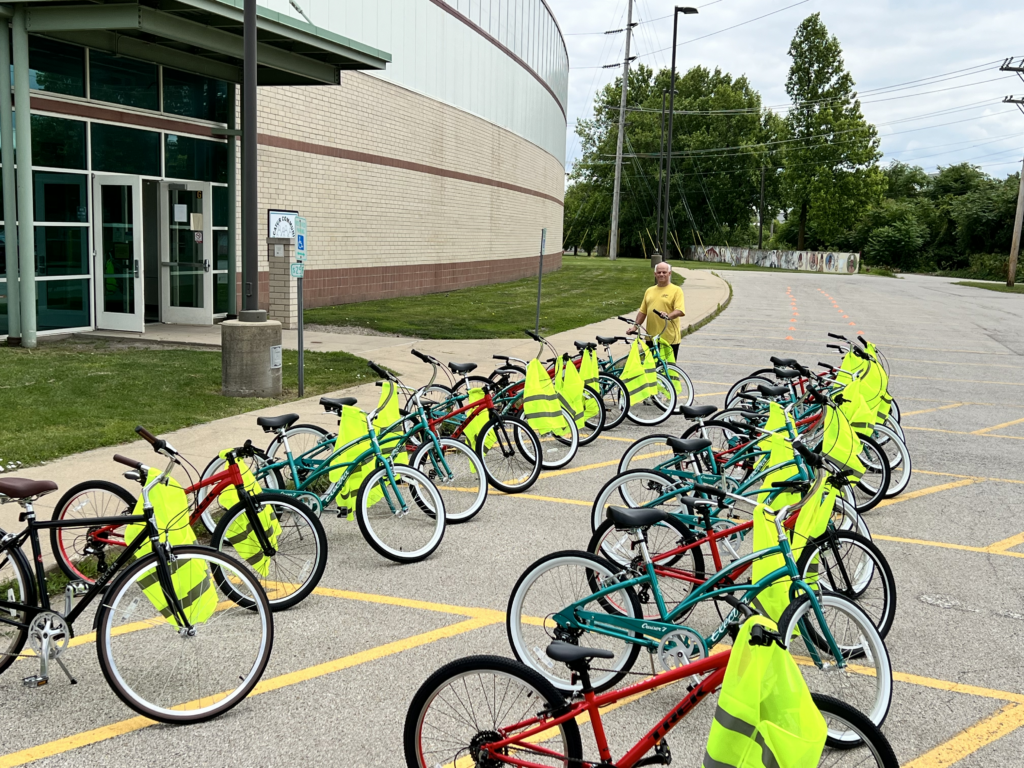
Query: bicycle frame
(530,730)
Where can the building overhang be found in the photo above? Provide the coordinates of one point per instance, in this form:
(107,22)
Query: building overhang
(203,36)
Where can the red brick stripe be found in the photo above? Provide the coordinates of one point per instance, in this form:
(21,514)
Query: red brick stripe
(269,140)
(117,116)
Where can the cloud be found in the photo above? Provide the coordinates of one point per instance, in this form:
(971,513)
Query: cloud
(940,121)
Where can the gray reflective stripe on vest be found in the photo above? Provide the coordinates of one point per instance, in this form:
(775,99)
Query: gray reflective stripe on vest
(193,594)
(543,415)
(532,398)
(576,415)
(745,729)
(733,723)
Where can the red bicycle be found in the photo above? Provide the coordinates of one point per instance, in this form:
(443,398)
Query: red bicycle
(487,711)
(282,540)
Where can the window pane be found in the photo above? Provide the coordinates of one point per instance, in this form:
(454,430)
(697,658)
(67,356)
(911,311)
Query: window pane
(117,248)
(61,197)
(195,96)
(56,67)
(188,158)
(220,249)
(61,251)
(220,294)
(4,328)
(62,304)
(58,143)
(221,206)
(120,80)
(125,150)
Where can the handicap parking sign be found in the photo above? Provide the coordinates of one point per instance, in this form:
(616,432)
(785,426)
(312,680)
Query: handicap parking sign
(302,243)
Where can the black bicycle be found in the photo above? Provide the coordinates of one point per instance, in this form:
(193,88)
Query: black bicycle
(183,633)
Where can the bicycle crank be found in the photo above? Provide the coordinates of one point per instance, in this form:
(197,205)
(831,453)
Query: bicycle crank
(48,635)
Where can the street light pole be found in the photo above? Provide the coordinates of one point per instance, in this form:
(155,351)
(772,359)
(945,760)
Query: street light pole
(661,169)
(671,112)
(613,246)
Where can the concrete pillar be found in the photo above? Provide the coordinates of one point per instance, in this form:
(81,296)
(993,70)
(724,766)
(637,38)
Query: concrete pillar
(250,355)
(10,198)
(233,210)
(26,218)
(284,295)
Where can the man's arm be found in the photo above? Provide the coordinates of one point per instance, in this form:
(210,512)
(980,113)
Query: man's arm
(640,317)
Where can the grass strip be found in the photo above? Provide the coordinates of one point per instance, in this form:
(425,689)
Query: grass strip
(999,287)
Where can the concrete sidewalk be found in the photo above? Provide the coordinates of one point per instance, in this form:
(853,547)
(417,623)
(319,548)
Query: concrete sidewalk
(704,292)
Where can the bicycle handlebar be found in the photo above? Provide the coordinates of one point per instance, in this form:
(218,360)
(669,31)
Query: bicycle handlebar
(837,336)
(808,455)
(862,340)
(532,335)
(420,355)
(157,443)
(379,371)
(128,462)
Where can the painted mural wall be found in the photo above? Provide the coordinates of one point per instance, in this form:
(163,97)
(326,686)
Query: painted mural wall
(806,261)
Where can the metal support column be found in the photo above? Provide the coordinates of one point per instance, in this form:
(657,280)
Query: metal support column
(250,249)
(26,221)
(10,199)
(233,198)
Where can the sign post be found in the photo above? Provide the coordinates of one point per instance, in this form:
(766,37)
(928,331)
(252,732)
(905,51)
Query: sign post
(298,270)
(540,277)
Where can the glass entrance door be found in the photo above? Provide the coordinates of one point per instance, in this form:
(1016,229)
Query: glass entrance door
(186,282)
(117,249)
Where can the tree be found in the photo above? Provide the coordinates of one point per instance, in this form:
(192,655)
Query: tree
(830,176)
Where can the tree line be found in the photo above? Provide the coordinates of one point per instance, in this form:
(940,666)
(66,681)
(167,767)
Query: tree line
(820,159)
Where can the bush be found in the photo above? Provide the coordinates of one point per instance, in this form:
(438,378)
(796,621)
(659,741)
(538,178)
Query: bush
(983,266)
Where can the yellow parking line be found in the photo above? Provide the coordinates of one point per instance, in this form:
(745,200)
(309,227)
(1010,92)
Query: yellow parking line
(954,432)
(549,498)
(1006,544)
(997,426)
(930,410)
(967,742)
(927,491)
(966,381)
(61,746)
(584,468)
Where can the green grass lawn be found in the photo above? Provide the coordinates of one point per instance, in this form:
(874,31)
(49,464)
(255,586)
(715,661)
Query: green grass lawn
(70,396)
(583,291)
(1000,287)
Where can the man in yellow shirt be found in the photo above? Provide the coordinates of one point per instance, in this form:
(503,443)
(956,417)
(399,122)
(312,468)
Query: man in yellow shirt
(663,297)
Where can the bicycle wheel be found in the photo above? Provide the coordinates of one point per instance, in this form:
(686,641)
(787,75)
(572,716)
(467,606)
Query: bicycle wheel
(900,464)
(555,450)
(871,488)
(508,468)
(16,586)
(866,681)
(746,384)
(678,574)
(870,748)
(290,574)
(272,479)
(512,378)
(846,563)
(655,409)
(82,553)
(682,384)
(457,473)
(301,438)
(552,584)
(725,439)
(894,410)
(615,397)
(634,489)
(471,702)
(178,676)
(646,453)
(592,427)
(405,531)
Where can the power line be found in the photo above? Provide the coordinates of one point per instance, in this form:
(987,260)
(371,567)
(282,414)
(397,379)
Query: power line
(649,21)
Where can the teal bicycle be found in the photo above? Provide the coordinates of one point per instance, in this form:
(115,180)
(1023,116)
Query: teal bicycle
(582,599)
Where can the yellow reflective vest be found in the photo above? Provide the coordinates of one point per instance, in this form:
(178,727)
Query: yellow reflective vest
(766,717)
(193,586)
(589,371)
(240,534)
(541,407)
(639,375)
(472,430)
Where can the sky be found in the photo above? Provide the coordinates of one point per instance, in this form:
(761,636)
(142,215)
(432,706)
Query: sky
(927,71)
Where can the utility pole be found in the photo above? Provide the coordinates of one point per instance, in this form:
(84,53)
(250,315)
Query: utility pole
(760,215)
(1011,267)
(250,187)
(661,168)
(671,112)
(613,245)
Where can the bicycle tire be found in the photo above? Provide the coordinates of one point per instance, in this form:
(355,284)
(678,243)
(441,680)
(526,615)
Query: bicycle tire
(526,470)
(272,479)
(69,544)
(685,398)
(455,511)
(18,585)
(458,681)
(870,736)
(280,586)
(870,693)
(721,434)
(901,466)
(419,537)
(594,426)
(611,493)
(872,486)
(656,409)
(525,636)
(308,437)
(746,384)
(639,450)
(556,451)
(822,555)
(223,660)
(615,397)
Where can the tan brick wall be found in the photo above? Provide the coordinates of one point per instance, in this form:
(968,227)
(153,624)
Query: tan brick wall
(368,209)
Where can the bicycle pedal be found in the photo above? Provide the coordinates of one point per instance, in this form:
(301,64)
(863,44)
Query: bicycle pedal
(35,681)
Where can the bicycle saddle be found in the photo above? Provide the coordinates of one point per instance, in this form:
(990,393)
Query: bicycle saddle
(23,488)
(568,653)
(624,518)
(698,411)
(462,367)
(335,404)
(783,362)
(687,446)
(772,391)
(270,423)
(783,373)
(581,345)
(607,340)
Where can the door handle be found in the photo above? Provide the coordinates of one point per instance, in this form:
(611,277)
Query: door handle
(206,265)
(136,268)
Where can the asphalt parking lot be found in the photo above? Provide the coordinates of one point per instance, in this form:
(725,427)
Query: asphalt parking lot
(348,660)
